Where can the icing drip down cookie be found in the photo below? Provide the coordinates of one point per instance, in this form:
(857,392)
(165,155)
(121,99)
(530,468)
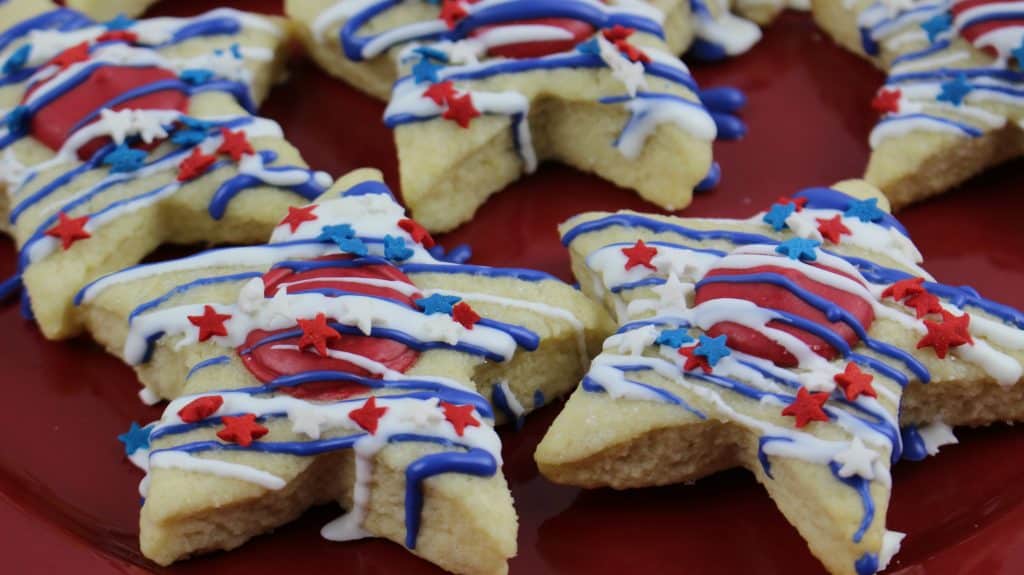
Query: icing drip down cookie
(953,103)
(486,90)
(120,136)
(796,344)
(339,362)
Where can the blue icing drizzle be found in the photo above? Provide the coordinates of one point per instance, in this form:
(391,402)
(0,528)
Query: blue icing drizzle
(368,188)
(829,199)
(62,19)
(914,448)
(867,564)
(863,488)
(186,287)
(500,401)
(219,26)
(219,360)
(711,180)
(238,183)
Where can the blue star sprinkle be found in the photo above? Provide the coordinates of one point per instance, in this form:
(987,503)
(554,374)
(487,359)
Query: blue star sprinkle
(195,123)
(345,238)
(937,25)
(124,159)
(395,249)
(425,71)
(17,60)
(120,22)
(196,76)
(713,348)
(135,438)
(589,47)
(864,210)
(17,119)
(777,215)
(437,303)
(432,53)
(799,249)
(955,90)
(673,337)
(188,137)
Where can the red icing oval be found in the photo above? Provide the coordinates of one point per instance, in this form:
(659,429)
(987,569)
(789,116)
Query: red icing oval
(52,124)
(580,31)
(770,296)
(267,363)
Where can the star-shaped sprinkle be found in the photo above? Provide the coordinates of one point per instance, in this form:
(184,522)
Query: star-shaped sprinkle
(195,165)
(461,110)
(952,331)
(924,303)
(864,210)
(69,230)
(437,303)
(673,337)
(395,249)
(639,254)
(299,215)
(635,341)
(441,328)
(200,408)
(452,12)
(617,32)
(460,416)
(954,91)
(693,361)
(713,348)
(210,323)
(359,316)
(17,59)
(307,419)
(73,55)
(147,126)
(196,76)
(235,144)
(123,159)
(316,333)
(673,292)
(345,238)
(119,22)
(777,214)
(432,53)
(425,71)
(465,315)
(440,92)
(619,35)
(937,25)
(134,439)
(887,101)
(798,203)
(116,123)
(799,249)
(241,429)
(589,47)
(855,382)
(807,407)
(857,459)
(904,289)
(418,233)
(368,416)
(832,229)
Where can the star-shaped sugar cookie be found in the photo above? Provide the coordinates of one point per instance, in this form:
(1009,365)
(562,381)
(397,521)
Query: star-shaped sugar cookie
(486,90)
(341,361)
(795,344)
(953,103)
(120,136)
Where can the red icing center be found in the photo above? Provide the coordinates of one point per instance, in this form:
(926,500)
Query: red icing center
(53,123)
(267,363)
(580,31)
(972,32)
(771,296)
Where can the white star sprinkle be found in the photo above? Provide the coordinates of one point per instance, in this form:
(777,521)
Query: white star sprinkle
(439,327)
(858,459)
(307,419)
(250,297)
(635,341)
(631,74)
(359,316)
(148,125)
(935,435)
(118,125)
(465,52)
(673,293)
(803,226)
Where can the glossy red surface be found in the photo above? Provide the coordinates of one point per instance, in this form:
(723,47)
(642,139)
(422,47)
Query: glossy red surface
(68,500)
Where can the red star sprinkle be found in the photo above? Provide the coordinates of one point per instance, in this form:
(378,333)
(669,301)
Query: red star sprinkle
(632,52)
(200,408)
(241,429)
(195,165)
(887,101)
(832,229)
(639,255)
(235,144)
(419,233)
(800,203)
(807,407)
(462,313)
(122,35)
(296,216)
(461,110)
(903,289)
(440,92)
(210,323)
(952,331)
(693,361)
(460,416)
(923,303)
(452,12)
(316,333)
(368,416)
(69,230)
(617,33)
(855,382)
(74,54)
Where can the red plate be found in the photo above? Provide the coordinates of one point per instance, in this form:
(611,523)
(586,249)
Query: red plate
(68,501)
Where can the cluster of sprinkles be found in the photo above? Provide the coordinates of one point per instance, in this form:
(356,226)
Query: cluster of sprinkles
(697,323)
(328,319)
(956,67)
(60,58)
